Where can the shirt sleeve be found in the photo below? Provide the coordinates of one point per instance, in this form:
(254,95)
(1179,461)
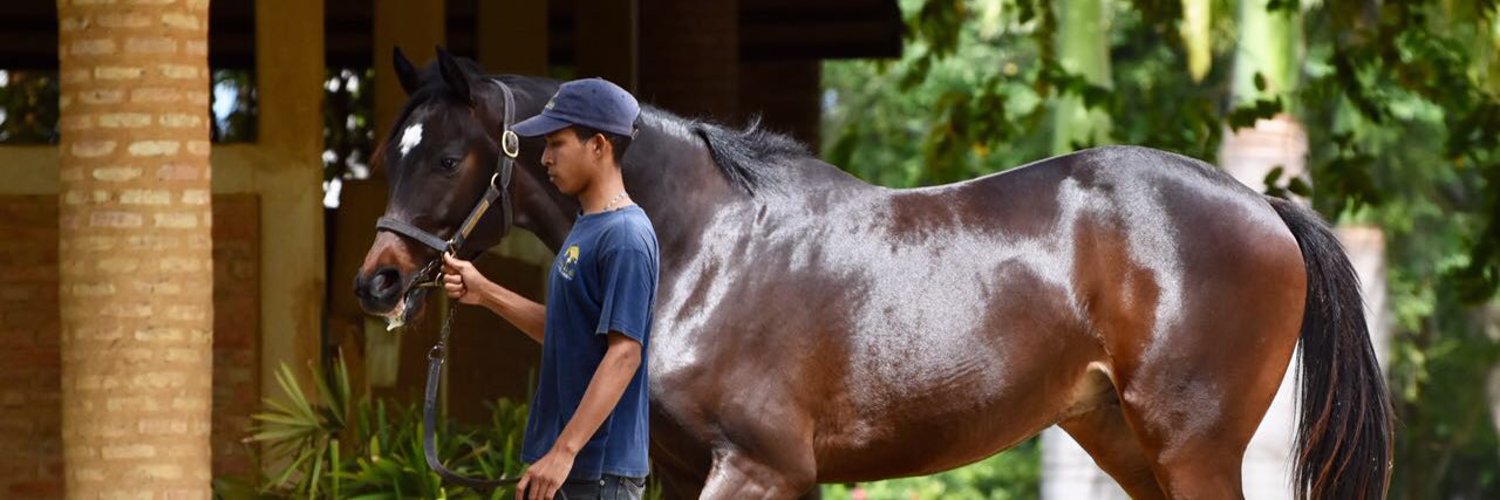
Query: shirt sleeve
(629,288)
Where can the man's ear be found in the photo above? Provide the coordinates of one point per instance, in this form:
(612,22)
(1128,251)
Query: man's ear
(602,147)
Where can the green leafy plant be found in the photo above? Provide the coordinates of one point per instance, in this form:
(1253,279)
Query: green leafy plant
(328,446)
(1012,475)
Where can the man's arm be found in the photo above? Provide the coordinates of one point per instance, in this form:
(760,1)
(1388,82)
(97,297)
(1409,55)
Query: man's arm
(610,379)
(528,316)
(463,282)
(615,371)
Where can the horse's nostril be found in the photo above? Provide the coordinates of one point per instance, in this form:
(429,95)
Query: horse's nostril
(385,283)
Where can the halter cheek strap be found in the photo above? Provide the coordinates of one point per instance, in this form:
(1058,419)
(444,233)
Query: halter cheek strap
(498,191)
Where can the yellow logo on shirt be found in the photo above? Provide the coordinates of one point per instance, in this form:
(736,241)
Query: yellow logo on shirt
(569,262)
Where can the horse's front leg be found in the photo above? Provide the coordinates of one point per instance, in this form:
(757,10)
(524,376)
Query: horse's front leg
(736,474)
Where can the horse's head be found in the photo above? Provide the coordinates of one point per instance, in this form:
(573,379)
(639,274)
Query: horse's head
(439,158)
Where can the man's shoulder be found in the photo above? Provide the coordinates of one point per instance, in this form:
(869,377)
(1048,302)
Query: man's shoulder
(632,231)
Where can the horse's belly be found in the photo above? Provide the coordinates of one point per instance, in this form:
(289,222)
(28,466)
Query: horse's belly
(950,407)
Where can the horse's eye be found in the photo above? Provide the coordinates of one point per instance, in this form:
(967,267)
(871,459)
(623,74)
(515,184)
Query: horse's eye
(450,163)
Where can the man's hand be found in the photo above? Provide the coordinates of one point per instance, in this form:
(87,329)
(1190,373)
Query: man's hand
(542,480)
(462,281)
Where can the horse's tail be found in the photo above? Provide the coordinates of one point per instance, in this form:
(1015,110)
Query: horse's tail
(1344,432)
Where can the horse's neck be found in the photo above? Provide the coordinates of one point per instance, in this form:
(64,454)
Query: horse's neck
(671,175)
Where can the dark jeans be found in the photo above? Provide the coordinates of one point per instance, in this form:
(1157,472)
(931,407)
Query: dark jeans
(608,487)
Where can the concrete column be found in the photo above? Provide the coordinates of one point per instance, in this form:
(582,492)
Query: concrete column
(608,39)
(1250,153)
(290,72)
(1365,244)
(1069,473)
(690,57)
(135,263)
(513,36)
(414,25)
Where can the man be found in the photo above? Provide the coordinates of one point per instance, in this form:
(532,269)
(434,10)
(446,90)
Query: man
(586,434)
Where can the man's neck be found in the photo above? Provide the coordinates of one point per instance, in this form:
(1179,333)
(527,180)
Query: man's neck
(603,194)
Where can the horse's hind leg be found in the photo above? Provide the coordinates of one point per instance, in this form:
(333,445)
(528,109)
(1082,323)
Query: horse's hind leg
(1104,434)
(1194,412)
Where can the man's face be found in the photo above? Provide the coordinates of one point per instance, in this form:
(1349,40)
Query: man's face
(571,163)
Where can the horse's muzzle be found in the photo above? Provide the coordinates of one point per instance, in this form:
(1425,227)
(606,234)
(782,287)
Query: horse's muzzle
(379,291)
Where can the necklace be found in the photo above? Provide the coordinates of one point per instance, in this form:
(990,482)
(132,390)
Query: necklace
(611,205)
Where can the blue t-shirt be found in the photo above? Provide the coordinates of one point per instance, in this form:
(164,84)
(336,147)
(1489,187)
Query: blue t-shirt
(603,280)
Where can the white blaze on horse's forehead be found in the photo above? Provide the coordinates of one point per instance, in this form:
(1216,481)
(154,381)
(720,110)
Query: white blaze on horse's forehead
(411,138)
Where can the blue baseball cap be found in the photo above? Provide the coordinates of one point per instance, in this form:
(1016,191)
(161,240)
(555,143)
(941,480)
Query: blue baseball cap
(593,102)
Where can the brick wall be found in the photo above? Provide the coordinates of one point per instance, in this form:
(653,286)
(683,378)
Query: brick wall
(30,377)
(236,330)
(30,367)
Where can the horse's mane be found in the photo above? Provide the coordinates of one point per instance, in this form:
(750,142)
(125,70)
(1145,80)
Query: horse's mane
(744,155)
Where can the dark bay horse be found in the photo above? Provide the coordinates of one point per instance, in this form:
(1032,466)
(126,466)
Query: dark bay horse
(814,328)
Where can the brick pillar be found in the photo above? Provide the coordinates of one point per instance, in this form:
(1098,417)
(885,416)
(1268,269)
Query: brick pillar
(135,264)
(690,57)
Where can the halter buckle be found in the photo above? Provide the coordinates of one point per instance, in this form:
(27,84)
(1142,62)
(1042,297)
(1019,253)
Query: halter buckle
(510,143)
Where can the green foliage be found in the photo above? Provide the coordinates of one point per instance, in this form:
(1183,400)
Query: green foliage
(28,107)
(1012,475)
(327,446)
(1401,104)
(348,123)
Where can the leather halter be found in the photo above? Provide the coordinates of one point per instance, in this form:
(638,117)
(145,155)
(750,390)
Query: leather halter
(499,189)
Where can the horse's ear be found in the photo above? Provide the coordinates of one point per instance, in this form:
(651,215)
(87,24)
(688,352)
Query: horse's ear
(455,75)
(410,79)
